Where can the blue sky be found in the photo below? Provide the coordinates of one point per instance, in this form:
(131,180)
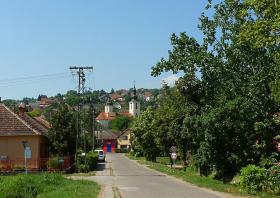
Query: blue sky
(121,39)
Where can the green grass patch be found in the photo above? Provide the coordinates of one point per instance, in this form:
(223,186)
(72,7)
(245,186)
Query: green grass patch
(46,186)
(191,176)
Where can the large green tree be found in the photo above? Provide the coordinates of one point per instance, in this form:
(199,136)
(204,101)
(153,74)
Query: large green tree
(62,135)
(227,83)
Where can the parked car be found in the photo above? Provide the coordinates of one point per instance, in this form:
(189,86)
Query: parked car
(101,155)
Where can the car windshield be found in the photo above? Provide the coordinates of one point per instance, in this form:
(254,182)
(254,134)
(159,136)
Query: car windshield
(100,152)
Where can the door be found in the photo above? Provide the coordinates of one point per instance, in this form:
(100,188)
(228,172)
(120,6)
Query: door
(109,148)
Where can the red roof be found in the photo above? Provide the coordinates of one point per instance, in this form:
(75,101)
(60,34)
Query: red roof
(106,116)
(112,116)
(12,124)
(126,113)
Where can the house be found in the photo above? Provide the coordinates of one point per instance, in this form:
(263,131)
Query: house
(112,140)
(17,130)
(123,140)
(148,96)
(108,138)
(117,97)
(105,117)
(44,101)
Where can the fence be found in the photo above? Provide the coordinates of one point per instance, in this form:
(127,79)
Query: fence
(9,165)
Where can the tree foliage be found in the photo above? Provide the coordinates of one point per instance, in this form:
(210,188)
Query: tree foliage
(62,135)
(225,102)
(121,123)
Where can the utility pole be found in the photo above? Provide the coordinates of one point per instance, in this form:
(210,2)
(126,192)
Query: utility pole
(81,87)
(93,127)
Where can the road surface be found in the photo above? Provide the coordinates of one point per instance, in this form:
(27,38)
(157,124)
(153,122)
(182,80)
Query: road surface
(122,177)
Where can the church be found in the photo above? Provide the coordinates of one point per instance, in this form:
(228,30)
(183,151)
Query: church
(105,117)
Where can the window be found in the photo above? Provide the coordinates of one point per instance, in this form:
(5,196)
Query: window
(125,137)
(136,105)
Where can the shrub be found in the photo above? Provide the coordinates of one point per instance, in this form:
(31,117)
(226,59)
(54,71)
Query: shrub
(253,178)
(83,168)
(273,180)
(18,168)
(88,162)
(92,160)
(53,163)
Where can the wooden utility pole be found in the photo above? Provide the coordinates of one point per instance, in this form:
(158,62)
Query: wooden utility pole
(82,79)
(93,127)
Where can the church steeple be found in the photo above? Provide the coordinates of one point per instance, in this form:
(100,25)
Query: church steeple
(134,105)
(134,92)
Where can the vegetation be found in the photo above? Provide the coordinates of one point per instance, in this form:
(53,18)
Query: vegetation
(220,114)
(88,162)
(62,135)
(35,113)
(121,123)
(256,179)
(45,185)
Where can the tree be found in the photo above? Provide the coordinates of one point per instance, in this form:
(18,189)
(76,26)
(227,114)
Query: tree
(121,123)
(143,137)
(112,91)
(231,102)
(62,135)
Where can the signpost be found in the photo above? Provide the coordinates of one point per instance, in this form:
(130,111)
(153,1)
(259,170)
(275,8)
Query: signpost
(27,154)
(173,155)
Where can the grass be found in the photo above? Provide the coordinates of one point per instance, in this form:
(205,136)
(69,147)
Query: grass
(46,186)
(191,176)
(89,174)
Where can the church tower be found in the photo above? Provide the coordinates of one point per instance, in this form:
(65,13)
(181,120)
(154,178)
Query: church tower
(109,107)
(134,105)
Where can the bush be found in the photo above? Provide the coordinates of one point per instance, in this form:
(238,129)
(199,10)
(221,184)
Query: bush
(92,160)
(53,163)
(273,180)
(253,178)
(88,162)
(18,168)
(83,168)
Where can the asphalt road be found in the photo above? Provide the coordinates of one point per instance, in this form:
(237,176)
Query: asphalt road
(122,177)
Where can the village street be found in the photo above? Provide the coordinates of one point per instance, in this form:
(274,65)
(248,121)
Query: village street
(122,177)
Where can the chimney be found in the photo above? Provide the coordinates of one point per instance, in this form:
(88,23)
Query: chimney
(22,109)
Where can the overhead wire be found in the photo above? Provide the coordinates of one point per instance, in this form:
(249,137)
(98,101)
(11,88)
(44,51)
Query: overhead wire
(31,79)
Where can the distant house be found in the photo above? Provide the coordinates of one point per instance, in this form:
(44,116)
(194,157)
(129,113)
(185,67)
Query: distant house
(148,96)
(44,101)
(15,129)
(112,140)
(105,117)
(108,138)
(117,97)
(123,140)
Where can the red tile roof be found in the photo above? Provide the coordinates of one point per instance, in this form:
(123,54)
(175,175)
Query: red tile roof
(12,124)
(112,116)
(106,116)
(126,113)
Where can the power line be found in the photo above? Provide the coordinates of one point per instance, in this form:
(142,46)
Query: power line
(12,84)
(32,77)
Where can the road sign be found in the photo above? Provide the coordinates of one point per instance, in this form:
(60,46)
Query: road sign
(173,156)
(27,153)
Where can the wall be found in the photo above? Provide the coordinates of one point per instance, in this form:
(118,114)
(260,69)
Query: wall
(113,145)
(12,148)
(124,142)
